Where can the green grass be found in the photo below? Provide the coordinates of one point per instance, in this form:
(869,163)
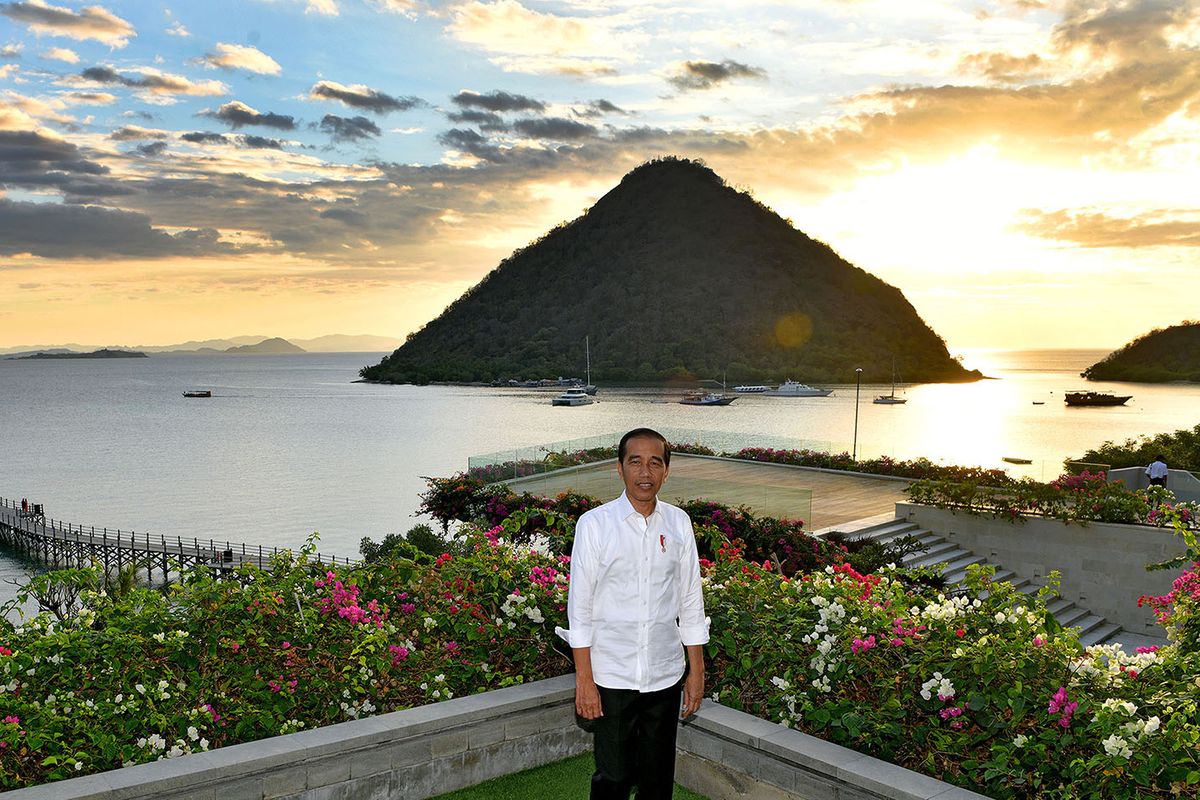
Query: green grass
(562,779)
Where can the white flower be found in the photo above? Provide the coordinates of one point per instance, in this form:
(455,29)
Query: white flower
(1152,725)
(1019,740)
(1000,617)
(781,683)
(139,688)
(1116,746)
(192,733)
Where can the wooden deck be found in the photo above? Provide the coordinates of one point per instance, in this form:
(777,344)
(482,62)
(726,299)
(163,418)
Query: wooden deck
(823,499)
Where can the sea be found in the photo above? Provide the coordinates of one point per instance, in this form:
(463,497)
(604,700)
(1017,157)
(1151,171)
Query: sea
(292,445)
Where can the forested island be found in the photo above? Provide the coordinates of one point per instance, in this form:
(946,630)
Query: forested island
(94,354)
(674,275)
(1160,356)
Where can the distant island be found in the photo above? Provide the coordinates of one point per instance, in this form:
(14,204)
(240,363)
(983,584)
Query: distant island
(238,345)
(1161,356)
(675,276)
(93,354)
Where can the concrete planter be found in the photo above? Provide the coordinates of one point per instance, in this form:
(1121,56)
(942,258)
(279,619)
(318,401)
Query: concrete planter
(426,751)
(1102,565)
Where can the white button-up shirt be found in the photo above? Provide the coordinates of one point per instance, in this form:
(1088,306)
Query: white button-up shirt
(635,596)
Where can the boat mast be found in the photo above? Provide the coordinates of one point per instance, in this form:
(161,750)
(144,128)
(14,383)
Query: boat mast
(587,349)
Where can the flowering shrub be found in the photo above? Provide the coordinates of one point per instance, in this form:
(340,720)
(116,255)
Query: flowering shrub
(981,689)
(920,468)
(1179,610)
(1081,498)
(149,675)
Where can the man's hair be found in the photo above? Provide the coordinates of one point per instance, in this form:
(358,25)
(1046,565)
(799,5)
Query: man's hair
(644,433)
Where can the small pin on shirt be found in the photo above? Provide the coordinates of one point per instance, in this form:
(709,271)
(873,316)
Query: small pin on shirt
(662,542)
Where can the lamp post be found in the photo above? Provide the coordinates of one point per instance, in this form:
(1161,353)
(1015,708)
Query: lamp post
(857,389)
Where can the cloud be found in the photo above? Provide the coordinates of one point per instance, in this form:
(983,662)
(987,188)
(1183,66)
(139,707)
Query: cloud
(408,8)
(238,56)
(237,114)
(1097,229)
(473,143)
(93,98)
(93,22)
(130,133)
(349,129)
(240,140)
(34,108)
(177,29)
(151,150)
(558,65)
(326,8)
(554,128)
(152,81)
(1003,67)
(51,230)
(61,54)
(598,108)
(346,216)
(497,101)
(1122,29)
(10,51)
(486,120)
(359,96)
(707,74)
(506,26)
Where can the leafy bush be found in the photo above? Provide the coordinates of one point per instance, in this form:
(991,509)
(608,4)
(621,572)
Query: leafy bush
(921,468)
(1181,450)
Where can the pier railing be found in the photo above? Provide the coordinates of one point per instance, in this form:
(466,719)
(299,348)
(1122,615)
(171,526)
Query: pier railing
(58,544)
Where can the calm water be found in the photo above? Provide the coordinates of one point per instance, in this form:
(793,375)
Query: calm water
(289,445)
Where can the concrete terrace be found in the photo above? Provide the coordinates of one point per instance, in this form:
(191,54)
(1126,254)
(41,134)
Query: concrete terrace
(822,498)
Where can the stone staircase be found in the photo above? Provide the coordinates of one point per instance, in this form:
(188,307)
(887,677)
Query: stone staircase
(953,560)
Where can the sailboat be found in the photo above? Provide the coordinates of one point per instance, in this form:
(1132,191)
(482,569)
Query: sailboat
(579,395)
(891,399)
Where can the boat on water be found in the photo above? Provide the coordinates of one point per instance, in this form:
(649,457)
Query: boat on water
(198,393)
(707,399)
(790,388)
(1090,398)
(892,399)
(1016,460)
(573,397)
(752,389)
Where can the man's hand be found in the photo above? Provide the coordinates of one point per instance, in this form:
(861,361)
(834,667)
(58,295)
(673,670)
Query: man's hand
(587,698)
(693,684)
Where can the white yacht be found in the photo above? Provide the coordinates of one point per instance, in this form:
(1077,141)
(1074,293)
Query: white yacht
(751,389)
(794,389)
(573,397)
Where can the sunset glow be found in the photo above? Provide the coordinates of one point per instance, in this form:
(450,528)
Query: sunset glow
(1025,171)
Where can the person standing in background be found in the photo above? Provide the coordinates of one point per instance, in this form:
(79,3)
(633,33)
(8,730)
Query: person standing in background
(1157,472)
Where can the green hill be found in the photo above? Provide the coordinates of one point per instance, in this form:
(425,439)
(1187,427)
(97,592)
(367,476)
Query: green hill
(673,275)
(1160,356)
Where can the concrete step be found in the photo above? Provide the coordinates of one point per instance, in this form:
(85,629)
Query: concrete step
(1071,616)
(1100,634)
(961,563)
(1089,623)
(887,530)
(1056,607)
(935,554)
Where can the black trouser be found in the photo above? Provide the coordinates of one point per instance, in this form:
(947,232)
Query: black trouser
(635,743)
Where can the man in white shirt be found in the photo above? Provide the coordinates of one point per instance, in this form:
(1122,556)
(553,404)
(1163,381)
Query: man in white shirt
(1157,472)
(635,609)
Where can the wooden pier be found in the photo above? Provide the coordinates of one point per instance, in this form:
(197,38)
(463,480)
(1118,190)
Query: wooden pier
(60,545)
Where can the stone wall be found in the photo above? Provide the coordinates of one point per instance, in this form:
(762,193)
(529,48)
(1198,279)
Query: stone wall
(422,752)
(1102,565)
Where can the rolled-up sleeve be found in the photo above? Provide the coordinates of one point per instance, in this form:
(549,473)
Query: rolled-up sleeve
(582,587)
(693,624)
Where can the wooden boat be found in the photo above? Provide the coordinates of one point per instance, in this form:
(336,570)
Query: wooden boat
(707,399)
(1090,398)
(1015,460)
(1039,402)
(198,393)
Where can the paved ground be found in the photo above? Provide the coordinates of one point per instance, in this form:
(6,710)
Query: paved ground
(821,498)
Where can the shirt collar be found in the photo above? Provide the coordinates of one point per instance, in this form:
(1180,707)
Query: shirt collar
(626,509)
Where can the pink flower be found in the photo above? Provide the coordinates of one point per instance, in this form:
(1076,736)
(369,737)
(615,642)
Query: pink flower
(15,720)
(398,653)
(452,647)
(286,645)
(1038,641)
(859,645)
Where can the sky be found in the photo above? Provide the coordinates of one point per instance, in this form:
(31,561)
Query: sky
(1027,172)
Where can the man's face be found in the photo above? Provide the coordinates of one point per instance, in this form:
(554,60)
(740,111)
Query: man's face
(644,469)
